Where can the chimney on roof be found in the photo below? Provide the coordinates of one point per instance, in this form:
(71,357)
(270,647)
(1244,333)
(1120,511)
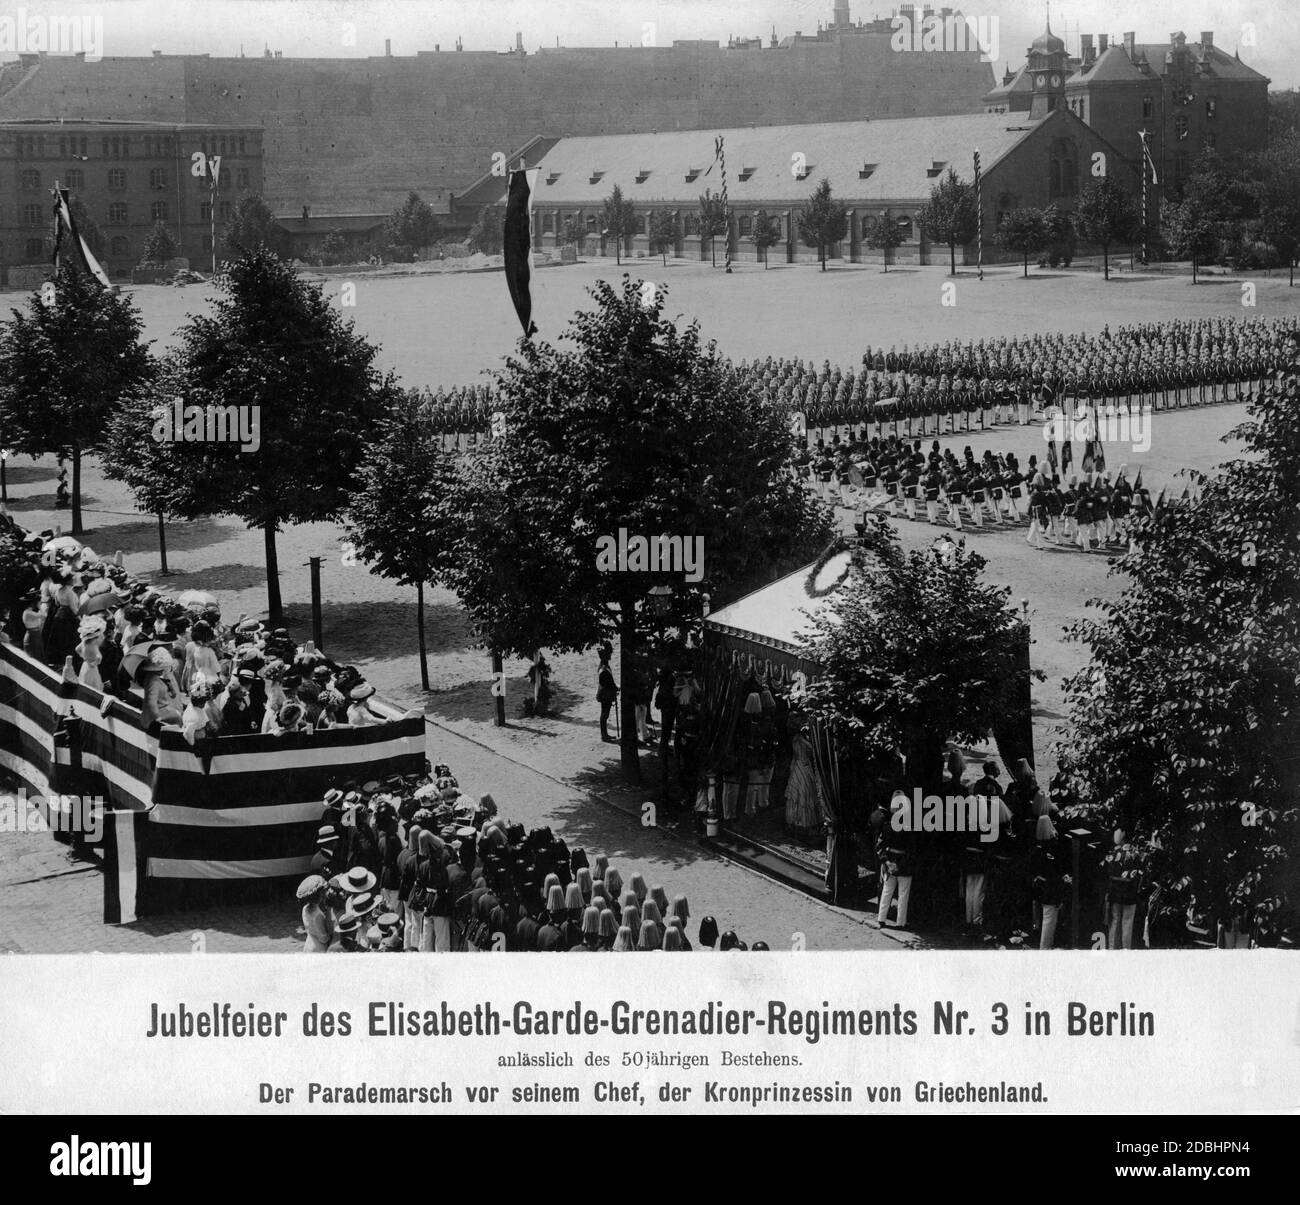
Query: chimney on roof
(1086,49)
(1207,39)
(519,42)
(306,213)
(1130,39)
(158,54)
(1103,43)
(388,47)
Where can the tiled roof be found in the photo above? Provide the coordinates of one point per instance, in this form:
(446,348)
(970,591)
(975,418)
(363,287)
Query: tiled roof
(869,160)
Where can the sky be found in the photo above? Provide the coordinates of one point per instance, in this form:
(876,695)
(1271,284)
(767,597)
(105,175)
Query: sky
(359,27)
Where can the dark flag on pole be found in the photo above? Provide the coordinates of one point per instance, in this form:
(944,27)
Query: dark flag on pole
(517,246)
(68,242)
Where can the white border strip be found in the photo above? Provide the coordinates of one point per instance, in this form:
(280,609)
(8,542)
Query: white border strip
(249,817)
(127,869)
(266,868)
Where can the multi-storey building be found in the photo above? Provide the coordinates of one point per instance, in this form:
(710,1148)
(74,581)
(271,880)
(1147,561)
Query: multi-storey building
(130,175)
(1184,96)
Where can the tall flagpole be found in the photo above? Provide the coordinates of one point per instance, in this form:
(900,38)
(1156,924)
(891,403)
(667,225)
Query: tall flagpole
(979,217)
(721,153)
(1142,136)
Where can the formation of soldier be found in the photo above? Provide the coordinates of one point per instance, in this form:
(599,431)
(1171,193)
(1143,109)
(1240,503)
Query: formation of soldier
(952,387)
(964,386)
(1087,508)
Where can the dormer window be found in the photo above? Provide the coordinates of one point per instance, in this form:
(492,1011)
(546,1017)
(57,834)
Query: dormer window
(595,177)
(868,170)
(746,172)
(807,171)
(552,177)
(936,166)
(693,174)
(643,175)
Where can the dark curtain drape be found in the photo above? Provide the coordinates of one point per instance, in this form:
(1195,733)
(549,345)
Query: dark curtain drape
(841,860)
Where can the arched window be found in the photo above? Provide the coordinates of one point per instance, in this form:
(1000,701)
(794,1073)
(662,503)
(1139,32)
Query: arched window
(117,213)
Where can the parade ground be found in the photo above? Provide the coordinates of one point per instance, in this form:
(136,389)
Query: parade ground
(447,329)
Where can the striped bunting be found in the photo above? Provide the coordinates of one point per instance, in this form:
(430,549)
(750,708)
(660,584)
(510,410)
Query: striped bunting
(240,807)
(254,811)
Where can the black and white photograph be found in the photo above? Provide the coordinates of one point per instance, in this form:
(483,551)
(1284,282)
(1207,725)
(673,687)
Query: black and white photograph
(809,480)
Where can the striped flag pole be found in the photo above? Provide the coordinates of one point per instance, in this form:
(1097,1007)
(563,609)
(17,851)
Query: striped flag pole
(1147,162)
(979,217)
(721,154)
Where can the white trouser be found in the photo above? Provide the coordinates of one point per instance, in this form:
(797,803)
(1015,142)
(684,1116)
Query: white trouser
(902,883)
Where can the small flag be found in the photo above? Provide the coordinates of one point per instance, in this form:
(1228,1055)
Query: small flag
(517,246)
(68,241)
(1146,154)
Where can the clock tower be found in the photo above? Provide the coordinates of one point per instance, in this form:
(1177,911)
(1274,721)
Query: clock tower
(1048,65)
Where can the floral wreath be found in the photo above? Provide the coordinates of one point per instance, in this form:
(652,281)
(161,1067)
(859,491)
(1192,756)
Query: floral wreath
(841,544)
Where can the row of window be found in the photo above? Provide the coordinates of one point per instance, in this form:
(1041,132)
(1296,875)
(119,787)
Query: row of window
(119,247)
(691,224)
(159,211)
(1149,108)
(29,179)
(118,146)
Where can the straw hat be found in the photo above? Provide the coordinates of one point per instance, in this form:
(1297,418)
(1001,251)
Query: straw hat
(357,880)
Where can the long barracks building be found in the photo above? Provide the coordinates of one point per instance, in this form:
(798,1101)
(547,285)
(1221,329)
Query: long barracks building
(872,166)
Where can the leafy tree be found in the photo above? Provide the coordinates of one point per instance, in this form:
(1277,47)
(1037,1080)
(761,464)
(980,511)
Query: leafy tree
(65,366)
(663,232)
(823,220)
(276,345)
(412,224)
(253,225)
(1192,228)
(334,248)
(883,233)
(620,220)
(1027,232)
(950,215)
(1182,725)
(1275,186)
(486,235)
(714,220)
(159,247)
(570,230)
(1060,229)
(1107,214)
(133,456)
(921,650)
(395,519)
(766,233)
(638,427)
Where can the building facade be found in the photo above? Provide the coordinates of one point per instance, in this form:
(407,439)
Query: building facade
(130,176)
(355,135)
(1184,96)
(873,167)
